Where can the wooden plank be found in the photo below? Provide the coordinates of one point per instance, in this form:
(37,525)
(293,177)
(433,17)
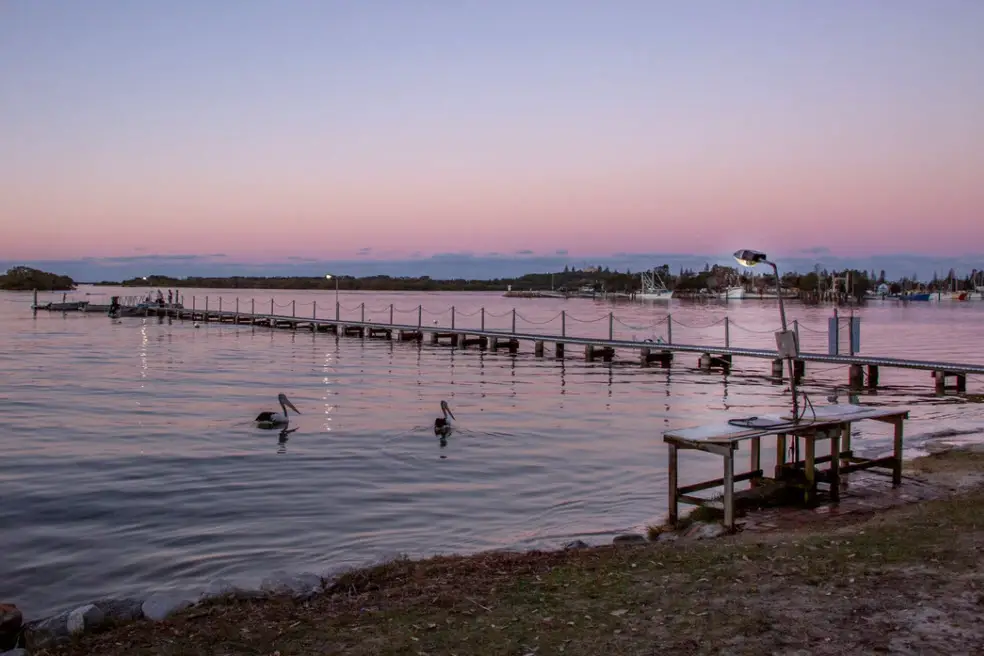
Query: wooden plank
(897,465)
(674,492)
(719,482)
(729,491)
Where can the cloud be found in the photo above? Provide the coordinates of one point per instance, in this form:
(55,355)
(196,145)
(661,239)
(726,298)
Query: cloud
(560,251)
(524,252)
(816,250)
(364,251)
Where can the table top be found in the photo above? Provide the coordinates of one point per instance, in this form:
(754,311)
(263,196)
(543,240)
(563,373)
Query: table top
(826,415)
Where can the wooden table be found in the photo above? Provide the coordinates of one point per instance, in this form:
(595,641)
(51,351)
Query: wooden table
(832,422)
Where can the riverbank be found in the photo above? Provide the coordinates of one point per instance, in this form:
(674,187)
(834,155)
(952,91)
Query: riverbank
(908,579)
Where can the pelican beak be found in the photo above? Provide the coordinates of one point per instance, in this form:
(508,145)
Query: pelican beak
(451,414)
(291,405)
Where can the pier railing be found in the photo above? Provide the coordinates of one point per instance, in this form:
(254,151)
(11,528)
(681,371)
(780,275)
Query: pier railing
(663,328)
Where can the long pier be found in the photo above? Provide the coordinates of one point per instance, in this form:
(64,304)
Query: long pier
(863,370)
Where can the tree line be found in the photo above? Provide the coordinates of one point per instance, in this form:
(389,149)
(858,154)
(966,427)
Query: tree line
(25,279)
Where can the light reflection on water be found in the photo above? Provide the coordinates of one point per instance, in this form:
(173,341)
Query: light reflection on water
(123,473)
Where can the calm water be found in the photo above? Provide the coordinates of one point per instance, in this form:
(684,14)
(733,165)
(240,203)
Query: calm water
(130,462)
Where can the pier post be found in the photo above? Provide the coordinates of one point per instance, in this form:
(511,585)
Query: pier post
(293,308)
(538,349)
(420,316)
(391,314)
(559,350)
(563,325)
(35,305)
(237,309)
(271,307)
(363,313)
(669,328)
(855,375)
(727,333)
(514,322)
(206,306)
(314,311)
(252,306)
(483,319)
(192,303)
(799,369)
(220,304)
(796,329)
(611,326)
(338,312)
(452,317)
(872,375)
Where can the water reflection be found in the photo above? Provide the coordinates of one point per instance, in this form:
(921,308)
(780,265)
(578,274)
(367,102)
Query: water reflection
(282,440)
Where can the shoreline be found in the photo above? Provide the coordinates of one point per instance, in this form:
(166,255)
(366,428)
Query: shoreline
(951,467)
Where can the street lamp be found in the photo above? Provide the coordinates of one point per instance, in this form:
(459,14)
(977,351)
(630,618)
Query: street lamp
(786,342)
(329,277)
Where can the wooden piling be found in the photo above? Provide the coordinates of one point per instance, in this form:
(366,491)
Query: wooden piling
(559,350)
(872,376)
(777,369)
(538,348)
(855,376)
(607,353)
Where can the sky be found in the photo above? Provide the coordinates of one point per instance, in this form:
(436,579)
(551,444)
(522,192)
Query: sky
(388,135)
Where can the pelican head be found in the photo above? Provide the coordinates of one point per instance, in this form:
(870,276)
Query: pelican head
(442,425)
(285,403)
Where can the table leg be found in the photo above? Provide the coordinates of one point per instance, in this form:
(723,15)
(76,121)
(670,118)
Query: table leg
(729,490)
(897,465)
(835,465)
(756,457)
(674,494)
(780,454)
(809,467)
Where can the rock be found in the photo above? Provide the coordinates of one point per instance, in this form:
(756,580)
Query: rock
(705,531)
(15,652)
(10,625)
(48,632)
(161,605)
(576,544)
(629,538)
(121,610)
(85,618)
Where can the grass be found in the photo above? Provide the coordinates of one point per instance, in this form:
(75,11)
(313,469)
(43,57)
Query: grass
(909,579)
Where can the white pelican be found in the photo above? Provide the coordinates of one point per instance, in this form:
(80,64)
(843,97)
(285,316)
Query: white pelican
(443,425)
(275,419)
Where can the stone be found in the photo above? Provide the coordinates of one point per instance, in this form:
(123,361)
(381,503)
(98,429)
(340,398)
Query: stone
(629,538)
(576,544)
(282,583)
(121,610)
(11,620)
(705,531)
(49,632)
(85,618)
(15,652)
(161,605)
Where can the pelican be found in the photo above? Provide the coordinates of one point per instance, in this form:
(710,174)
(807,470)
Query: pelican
(443,425)
(275,419)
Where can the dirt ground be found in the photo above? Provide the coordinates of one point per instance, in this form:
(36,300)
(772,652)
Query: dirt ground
(908,580)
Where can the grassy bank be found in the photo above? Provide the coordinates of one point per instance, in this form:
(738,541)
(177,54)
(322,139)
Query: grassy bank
(910,580)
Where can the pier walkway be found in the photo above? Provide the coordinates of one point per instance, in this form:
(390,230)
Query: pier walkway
(863,370)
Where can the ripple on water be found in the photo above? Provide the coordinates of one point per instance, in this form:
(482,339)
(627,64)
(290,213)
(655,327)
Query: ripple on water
(131,462)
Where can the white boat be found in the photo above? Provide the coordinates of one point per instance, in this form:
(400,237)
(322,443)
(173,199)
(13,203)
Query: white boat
(653,288)
(736,292)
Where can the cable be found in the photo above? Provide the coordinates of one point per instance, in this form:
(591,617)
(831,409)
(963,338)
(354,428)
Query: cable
(758,422)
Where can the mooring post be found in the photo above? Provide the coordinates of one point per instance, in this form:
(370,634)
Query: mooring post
(220,304)
(727,333)
(483,319)
(514,322)
(293,308)
(611,326)
(796,329)
(872,375)
(452,317)
(338,313)
(206,304)
(314,310)
(563,323)
(669,328)
(420,316)
(391,314)
(237,306)
(252,306)
(855,376)
(363,312)
(35,306)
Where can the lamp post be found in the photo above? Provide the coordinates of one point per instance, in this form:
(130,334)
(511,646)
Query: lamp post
(786,342)
(329,277)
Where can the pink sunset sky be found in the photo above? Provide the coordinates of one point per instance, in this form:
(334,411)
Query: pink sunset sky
(319,129)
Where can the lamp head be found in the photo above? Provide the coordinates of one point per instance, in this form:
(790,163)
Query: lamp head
(328,276)
(750,258)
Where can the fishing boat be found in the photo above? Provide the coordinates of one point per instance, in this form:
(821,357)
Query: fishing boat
(653,288)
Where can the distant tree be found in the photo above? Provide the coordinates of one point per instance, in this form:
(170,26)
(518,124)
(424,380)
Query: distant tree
(22,278)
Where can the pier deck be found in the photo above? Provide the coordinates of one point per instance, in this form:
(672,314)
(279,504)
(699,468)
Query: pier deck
(831,422)
(861,368)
